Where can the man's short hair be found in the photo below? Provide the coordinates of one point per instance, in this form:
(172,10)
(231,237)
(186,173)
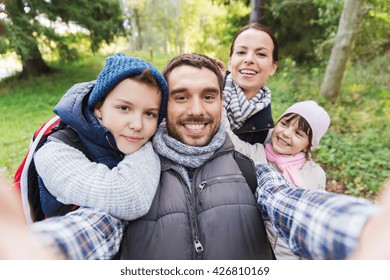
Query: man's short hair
(195,60)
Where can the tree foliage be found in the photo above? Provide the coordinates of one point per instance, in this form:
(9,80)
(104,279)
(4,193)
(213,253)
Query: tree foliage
(28,25)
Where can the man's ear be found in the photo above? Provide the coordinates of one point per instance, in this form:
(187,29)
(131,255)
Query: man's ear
(97,111)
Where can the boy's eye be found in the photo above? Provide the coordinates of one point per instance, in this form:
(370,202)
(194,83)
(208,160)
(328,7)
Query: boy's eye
(123,108)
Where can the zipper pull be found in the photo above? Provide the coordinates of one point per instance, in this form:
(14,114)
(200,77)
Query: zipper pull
(202,185)
(198,245)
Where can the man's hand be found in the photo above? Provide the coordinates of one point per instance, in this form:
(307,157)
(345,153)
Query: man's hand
(374,241)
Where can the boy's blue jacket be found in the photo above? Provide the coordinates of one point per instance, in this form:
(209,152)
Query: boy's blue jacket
(100,143)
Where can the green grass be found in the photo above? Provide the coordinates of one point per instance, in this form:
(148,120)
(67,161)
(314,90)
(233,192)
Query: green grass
(355,152)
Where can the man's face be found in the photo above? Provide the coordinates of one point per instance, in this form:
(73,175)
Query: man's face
(194,105)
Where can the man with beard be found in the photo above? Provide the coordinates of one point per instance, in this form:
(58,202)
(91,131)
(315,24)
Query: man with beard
(203,208)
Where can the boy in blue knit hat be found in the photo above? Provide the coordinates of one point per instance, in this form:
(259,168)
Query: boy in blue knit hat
(115,117)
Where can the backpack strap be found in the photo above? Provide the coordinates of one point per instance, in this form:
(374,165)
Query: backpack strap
(248,170)
(69,136)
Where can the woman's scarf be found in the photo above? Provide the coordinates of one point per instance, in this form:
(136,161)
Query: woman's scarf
(238,107)
(182,154)
(288,165)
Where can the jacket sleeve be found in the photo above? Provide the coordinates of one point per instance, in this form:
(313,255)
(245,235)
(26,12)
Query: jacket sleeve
(125,191)
(315,224)
(87,234)
(255,152)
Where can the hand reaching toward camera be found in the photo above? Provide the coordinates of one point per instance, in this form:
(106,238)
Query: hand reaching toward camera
(374,240)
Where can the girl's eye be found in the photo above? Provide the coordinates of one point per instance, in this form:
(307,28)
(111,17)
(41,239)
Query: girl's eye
(283,123)
(261,54)
(240,52)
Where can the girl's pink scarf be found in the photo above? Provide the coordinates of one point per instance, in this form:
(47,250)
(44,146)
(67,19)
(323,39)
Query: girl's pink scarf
(289,165)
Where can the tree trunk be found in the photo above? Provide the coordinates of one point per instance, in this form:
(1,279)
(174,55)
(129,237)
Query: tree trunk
(255,15)
(139,28)
(28,51)
(350,20)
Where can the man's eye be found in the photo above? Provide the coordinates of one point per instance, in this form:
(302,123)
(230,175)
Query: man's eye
(181,98)
(209,97)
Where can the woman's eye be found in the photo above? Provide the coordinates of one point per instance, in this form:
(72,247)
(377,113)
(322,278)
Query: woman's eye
(151,114)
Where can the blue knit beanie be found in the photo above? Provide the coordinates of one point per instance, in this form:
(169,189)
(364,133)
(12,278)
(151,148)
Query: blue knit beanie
(119,67)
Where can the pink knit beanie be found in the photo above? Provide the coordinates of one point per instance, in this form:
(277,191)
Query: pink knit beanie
(315,115)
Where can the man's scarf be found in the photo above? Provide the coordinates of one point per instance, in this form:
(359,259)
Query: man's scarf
(182,154)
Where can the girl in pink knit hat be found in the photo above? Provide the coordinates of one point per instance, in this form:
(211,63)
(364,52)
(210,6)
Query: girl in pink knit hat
(288,149)
(299,129)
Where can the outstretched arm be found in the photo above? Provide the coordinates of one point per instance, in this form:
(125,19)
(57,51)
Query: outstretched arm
(315,224)
(82,234)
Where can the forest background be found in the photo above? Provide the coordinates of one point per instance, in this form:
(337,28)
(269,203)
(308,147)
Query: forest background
(46,46)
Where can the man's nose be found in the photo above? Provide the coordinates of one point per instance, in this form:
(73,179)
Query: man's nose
(196,107)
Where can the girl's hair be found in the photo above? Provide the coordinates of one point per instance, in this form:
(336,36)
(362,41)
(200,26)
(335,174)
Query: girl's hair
(260,27)
(302,125)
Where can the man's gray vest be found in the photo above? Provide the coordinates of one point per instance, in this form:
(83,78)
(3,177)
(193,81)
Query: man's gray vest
(218,219)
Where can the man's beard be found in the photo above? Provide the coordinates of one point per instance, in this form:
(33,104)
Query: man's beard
(177,134)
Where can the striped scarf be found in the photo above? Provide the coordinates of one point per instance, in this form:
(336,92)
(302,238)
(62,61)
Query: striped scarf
(238,107)
(182,154)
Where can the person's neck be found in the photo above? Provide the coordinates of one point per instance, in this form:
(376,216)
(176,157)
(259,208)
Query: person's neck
(251,93)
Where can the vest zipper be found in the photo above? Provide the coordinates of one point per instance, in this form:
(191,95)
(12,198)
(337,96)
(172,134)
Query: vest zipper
(202,185)
(198,245)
